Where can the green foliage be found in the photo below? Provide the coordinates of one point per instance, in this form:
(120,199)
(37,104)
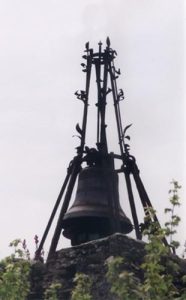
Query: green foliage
(51,292)
(82,288)
(158,283)
(174,219)
(123,284)
(14,273)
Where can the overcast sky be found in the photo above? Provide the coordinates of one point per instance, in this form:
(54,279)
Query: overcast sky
(41,44)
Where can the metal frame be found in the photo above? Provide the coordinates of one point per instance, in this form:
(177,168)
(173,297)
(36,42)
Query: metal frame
(103,60)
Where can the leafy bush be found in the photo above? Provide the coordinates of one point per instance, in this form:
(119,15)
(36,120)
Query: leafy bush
(158,284)
(51,292)
(82,288)
(124,284)
(14,273)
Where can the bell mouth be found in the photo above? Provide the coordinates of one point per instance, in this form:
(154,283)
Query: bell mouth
(84,229)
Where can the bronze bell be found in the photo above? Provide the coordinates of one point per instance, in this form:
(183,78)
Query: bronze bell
(90,216)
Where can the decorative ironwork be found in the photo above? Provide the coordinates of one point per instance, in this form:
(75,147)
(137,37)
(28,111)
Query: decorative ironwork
(106,80)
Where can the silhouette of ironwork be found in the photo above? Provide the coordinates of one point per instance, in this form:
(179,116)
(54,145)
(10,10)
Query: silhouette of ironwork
(106,81)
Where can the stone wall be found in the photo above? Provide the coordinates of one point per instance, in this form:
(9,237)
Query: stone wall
(89,258)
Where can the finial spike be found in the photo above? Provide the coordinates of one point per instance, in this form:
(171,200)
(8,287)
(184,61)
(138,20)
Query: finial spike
(87,46)
(108,41)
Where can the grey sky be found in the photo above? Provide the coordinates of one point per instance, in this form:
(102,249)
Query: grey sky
(41,43)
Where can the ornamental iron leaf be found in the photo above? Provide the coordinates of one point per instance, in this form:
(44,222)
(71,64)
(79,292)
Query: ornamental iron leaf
(79,130)
(126,128)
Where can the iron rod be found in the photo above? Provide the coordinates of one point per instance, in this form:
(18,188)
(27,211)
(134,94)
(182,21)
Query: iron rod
(114,93)
(145,199)
(101,102)
(38,251)
(64,209)
(84,122)
(132,205)
(115,193)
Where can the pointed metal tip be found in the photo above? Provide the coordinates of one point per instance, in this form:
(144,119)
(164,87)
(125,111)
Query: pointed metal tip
(87,45)
(108,41)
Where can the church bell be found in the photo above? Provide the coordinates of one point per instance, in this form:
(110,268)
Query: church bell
(92,216)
